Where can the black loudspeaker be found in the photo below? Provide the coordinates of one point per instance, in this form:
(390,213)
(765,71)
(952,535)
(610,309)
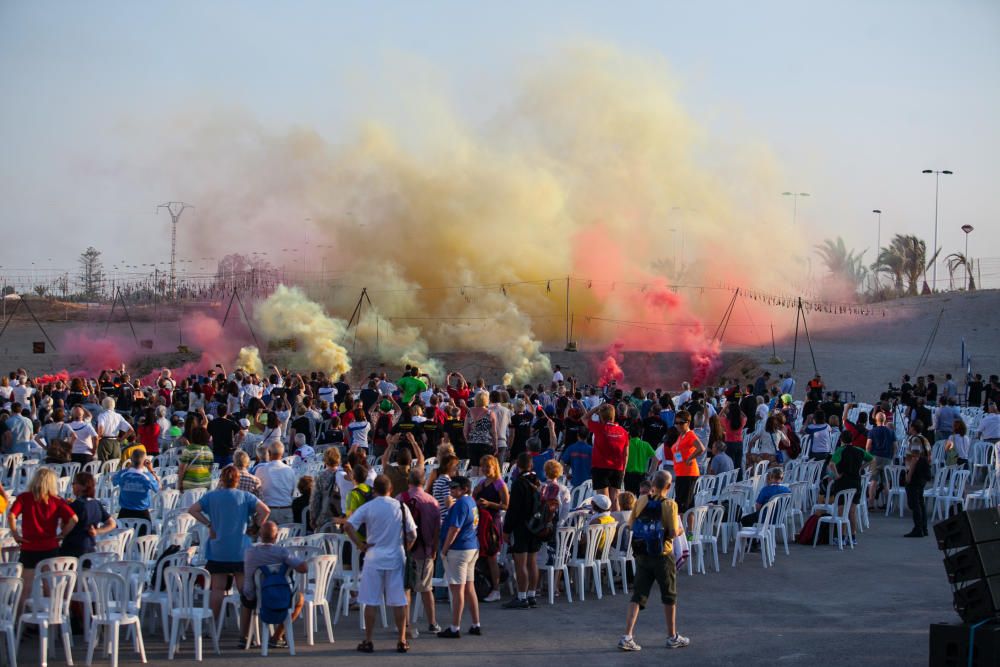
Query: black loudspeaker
(950,645)
(979,600)
(968,528)
(975,562)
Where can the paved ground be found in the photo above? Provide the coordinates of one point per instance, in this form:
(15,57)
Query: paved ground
(816,607)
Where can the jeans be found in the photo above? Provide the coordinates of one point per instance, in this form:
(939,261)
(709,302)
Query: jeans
(734,450)
(915,501)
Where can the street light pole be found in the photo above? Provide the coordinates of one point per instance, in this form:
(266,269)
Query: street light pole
(937,181)
(795,202)
(968,230)
(878,243)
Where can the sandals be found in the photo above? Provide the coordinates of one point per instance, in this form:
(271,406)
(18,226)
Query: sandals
(402,647)
(366,647)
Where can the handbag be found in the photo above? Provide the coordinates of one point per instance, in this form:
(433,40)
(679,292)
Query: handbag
(682,550)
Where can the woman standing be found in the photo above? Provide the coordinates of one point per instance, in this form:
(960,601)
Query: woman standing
(958,446)
(56,437)
(84,443)
(491,496)
(46,519)
(768,442)
(735,422)
(93,518)
(918,473)
(480,431)
(227,512)
(325,504)
(685,454)
(194,468)
(149,432)
(524,545)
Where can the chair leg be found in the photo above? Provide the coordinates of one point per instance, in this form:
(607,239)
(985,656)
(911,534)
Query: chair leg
(67,641)
(113,629)
(326,617)
(265,637)
(552,588)
(715,555)
(569,588)
(197,638)
(91,642)
(310,621)
(138,640)
(12,651)
(172,645)
(43,635)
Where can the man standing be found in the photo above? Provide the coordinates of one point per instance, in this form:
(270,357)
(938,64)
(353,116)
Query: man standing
(882,445)
(787,384)
(387,522)
(426,515)
(137,480)
(949,390)
(223,430)
(110,427)
(654,524)
(502,414)
(277,483)
(610,452)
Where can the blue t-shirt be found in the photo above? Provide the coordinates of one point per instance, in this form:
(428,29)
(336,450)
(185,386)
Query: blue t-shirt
(539,460)
(577,456)
(770,491)
(465,516)
(90,512)
(883,438)
(668,417)
(135,488)
(229,510)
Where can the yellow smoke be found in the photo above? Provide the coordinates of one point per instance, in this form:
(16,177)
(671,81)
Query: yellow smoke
(586,170)
(249,359)
(288,314)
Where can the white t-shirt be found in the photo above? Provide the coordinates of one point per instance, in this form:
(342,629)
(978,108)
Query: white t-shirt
(761,412)
(22,394)
(359,433)
(112,424)
(383,519)
(85,436)
(557,376)
(502,414)
(989,426)
(346,485)
(961,443)
(277,483)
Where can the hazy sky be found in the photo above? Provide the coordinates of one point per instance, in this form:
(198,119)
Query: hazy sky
(854,98)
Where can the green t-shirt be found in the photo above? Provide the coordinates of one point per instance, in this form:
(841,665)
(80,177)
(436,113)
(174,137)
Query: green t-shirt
(639,453)
(411,386)
(199,460)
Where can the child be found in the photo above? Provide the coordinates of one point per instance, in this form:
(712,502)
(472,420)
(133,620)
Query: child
(301,501)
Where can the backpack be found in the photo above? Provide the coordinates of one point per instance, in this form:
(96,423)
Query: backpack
(794,448)
(809,529)
(275,593)
(364,495)
(488,533)
(544,519)
(648,535)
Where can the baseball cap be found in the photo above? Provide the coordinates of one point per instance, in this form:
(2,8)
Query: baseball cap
(601,503)
(244,423)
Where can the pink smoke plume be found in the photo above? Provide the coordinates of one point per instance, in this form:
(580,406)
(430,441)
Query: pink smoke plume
(51,378)
(98,354)
(610,368)
(705,362)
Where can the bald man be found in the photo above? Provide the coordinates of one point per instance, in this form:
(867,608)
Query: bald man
(264,553)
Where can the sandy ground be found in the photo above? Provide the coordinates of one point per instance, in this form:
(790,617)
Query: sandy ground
(856,354)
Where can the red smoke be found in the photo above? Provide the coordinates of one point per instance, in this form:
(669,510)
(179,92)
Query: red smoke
(61,376)
(98,354)
(609,370)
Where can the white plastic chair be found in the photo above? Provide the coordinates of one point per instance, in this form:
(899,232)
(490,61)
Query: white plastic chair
(153,596)
(185,585)
(10,597)
(565,543)
(588,562)
(779,521)
(760,532)
(954,496)
(316,594)
(895,489)
(112,601)
(145,548)
(692,522)
(988,496)
(139,526)
(263,630)
(50,598)
(604,556)
(839,518)
(711,531)
(622,555)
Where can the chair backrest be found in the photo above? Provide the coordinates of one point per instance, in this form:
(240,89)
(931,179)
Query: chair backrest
(842,502)
(137,525)
(133,573)
(593,533)
(10,553)
(304,552)
(781,504)
(11,588)
(294,529)
(958,481)
(179,559)
(95,559)
(11,570)
(607,541)
(108,592)
(184,522)
(190,497)
(145,548)
(711,527)
(185,584)
(57,564)
(320,575)
(694,518)
(52,590)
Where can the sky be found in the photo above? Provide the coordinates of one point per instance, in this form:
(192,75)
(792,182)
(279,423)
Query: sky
(853,99)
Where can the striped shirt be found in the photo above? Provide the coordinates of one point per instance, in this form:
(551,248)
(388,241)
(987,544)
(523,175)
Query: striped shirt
(199,460)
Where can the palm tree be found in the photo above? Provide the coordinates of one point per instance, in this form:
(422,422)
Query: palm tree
(957,260)
(843,263)
(890,263)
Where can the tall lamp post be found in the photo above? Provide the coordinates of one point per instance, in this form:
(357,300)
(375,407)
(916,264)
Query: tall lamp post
(937,180)
(878,242)
(795,202)
(968,230)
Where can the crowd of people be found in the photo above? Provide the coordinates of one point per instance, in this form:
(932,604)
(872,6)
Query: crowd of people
(415,473)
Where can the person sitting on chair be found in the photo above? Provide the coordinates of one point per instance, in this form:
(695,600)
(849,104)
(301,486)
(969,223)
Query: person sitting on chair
(264,553)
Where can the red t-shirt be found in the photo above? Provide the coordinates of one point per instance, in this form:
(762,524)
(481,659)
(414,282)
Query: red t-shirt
(458,394)
(610,441)
(39,521)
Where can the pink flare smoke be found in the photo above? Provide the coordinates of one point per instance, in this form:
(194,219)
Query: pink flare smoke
(97,354)
(610,369)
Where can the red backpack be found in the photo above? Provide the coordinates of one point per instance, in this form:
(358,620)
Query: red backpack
(488,534)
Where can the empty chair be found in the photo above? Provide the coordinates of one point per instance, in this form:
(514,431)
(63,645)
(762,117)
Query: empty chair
(711,530)
(112,599)
(895,488)
(839,518)
(11,588)
(565,543)
(621,555)
(316,594)
(139,527)
(156,593)
(188,600)
(50,598)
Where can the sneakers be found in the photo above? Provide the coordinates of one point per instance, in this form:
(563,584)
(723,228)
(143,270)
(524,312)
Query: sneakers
(531,602)
(434,628)
(677,641)
(476,630)
(448,633)
(494,596)
(516,603)
(628,644)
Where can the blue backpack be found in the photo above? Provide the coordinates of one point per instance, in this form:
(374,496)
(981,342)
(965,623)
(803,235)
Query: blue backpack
(275,593)
(647,530)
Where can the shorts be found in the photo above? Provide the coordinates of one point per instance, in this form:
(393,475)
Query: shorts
(224,567)
(460,566)
(477,450)
(878,464)
(684,491)
(604,478)
(658,569)
(376,584)
(420,575)
(522,541)
(846,484)
(30,559)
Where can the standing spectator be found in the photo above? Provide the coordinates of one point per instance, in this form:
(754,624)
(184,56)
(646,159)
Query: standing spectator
(654,524)
(523,544)
(881,444)
(93,518)
(248,482)
(639,454)
(685,453)
(194,467)
(19,432)
(148,432)
(578,458)
(227,512)
(610,452)
(501,414)
(137,481)
(944,420)
(84,436)
(111,426)
(918,473)
(325,504)
(277,484)
(263,554)
(389,533)
(427,517)
(480,431)
(56,437)
(42,514)
(223,431)
(733,423)
(460,549)
(491,496)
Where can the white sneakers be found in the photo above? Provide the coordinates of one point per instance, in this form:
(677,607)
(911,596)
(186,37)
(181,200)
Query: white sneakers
(494,596)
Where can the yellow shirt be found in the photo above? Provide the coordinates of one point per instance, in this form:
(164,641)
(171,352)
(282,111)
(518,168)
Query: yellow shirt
(671,522)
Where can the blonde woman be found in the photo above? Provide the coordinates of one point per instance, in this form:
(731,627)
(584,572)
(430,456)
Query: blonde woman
(480,431)
(45,520)
(491,496)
